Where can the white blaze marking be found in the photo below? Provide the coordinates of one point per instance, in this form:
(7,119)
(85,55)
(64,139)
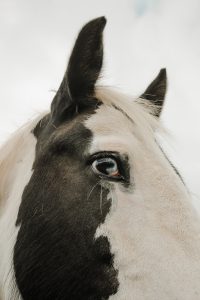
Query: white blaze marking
(153,230)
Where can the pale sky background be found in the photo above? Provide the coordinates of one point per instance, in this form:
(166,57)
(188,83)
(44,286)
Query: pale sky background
(141,36)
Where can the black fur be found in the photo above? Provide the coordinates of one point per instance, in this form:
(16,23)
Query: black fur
(156,91)
(76,91)
(56,255)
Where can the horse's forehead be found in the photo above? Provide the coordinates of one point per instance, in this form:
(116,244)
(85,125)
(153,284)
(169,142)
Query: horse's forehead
(111,129)
(109,119)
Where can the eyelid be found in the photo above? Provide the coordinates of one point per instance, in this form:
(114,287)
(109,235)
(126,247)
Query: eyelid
(104,154)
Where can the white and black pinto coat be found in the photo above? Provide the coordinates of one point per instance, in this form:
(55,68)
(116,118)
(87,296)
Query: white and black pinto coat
(90,207)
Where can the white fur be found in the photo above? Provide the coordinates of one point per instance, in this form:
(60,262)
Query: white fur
(16,160)
(152,227)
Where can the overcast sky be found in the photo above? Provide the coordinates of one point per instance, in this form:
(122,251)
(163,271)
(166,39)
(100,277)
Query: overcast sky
(141,37)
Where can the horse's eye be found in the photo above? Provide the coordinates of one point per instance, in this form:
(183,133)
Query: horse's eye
(106,166)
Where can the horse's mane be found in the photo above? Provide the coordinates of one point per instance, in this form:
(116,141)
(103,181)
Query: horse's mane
(140,111)
(10,155)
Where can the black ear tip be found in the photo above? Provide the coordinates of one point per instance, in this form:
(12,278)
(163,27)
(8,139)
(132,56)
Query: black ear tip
(163,73)
(101,20)
(97,23)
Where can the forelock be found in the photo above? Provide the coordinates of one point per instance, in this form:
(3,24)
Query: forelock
(134,112)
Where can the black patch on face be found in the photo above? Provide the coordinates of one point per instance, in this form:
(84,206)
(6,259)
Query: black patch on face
(56,255)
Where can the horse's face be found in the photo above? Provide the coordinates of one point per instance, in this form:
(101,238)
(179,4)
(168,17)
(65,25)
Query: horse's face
(84,162)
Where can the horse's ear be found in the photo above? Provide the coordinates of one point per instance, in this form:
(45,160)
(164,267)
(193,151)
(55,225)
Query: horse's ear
(156,91)
(85,63)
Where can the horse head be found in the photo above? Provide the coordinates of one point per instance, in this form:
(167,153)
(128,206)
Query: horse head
(101,212)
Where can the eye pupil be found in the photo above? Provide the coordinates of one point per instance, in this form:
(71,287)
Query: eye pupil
(106,166)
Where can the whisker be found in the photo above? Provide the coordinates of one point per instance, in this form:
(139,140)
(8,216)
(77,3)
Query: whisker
(113,199)
(101,199)
(92,189)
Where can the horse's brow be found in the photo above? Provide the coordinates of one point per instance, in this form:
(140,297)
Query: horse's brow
(123,112)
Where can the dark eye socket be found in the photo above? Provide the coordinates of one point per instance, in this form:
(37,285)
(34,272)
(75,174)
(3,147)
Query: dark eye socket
(110,166)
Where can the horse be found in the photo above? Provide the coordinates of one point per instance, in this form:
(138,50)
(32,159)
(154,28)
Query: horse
(90,206)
